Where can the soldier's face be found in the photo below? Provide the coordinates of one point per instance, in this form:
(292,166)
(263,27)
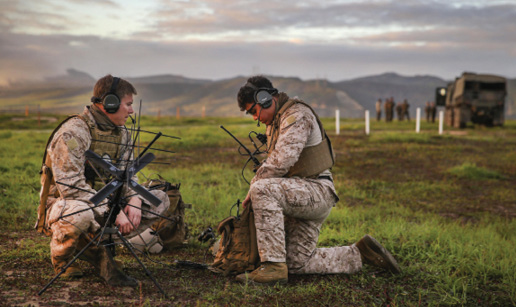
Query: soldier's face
(126,108)
(265,116)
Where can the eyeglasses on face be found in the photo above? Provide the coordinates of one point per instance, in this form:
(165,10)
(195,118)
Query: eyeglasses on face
(251,110)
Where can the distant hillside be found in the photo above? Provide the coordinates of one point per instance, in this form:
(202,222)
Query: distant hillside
(165,93)
(417,90)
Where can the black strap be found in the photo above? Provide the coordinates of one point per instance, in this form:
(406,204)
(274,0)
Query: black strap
(325,177)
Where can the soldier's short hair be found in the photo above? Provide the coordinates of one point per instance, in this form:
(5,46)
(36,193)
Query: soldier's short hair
(246,93)
(103,86)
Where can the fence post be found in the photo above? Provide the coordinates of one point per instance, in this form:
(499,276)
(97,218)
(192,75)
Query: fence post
(441,120)
(178,115)
(418,119)
(367,122)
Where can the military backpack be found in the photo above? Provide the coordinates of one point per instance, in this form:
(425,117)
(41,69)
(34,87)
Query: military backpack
(237,248)
(172,229)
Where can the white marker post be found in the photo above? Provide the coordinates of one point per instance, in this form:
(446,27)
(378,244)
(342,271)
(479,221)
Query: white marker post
(441,121)
(367,122)
(337,122)
(418,119)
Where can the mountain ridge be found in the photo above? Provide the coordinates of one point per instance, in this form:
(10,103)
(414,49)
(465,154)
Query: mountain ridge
(165,93)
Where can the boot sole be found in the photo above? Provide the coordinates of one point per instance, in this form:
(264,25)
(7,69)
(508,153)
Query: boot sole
(248,281)
(272,283)
(72,275)
(382,251)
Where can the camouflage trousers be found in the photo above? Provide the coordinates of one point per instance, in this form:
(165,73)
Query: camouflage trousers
(72,233)
(288,215)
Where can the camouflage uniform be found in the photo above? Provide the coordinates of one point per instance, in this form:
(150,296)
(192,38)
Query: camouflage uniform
(66,154)
(289,212)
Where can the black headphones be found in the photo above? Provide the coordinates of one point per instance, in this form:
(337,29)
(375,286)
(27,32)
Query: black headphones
(110,100)
(262,95)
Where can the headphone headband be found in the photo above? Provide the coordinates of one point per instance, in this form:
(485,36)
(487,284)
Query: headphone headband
(116,80)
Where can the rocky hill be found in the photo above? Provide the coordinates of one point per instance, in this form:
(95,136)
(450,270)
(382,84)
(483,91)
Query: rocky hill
(166,93)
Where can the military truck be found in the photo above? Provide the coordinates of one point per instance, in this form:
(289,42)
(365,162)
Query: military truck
(476,98)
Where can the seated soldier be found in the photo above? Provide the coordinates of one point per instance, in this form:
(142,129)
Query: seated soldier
(69,181)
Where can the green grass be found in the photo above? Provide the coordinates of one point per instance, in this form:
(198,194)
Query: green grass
(444,205)
(469,170)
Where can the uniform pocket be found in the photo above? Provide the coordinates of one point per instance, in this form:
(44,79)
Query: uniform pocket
(298,193)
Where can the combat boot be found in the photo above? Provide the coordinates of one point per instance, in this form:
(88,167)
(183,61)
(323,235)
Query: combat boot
(107,267)
(268,273)
(373,253)
(73,271)
(62,252)
(111,274)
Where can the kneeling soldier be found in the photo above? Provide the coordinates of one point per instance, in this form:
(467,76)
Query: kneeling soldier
(293,193)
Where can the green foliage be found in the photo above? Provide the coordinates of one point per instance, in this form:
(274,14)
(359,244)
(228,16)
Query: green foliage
(470,170)
(397,137)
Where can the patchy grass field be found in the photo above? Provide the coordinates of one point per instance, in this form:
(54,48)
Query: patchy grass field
(443,204)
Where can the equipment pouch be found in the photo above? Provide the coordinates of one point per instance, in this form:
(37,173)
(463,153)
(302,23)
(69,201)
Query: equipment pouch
(238,249)
(174,230)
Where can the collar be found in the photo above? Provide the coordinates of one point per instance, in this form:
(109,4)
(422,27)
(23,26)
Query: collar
(102,121)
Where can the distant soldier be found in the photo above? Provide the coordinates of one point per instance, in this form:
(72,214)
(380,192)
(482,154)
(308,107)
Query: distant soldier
(399,111)
(404,110)
(433,110)
(428,111)
(389,109)
(386,107)
(378,110)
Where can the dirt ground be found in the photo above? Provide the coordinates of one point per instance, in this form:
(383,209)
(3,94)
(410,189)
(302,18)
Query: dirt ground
(23,279)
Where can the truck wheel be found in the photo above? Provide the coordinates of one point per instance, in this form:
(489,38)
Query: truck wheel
(457,118)
(449,117)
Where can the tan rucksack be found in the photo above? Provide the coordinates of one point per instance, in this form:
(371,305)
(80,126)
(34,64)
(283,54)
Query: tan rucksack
(172,231)
(238,250)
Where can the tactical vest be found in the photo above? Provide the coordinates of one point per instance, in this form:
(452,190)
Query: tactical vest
(104,143)
(313,160)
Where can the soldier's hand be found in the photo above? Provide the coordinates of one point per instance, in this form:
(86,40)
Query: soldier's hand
(134,214)
(123,223)
(130,218)
(247,200)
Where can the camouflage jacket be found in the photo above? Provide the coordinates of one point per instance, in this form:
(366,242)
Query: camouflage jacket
(298,129)
(67,159)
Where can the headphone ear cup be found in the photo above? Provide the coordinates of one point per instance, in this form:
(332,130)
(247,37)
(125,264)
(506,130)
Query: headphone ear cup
(111,103)
(263,98)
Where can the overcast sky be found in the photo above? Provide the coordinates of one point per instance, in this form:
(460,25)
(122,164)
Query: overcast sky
(217,39)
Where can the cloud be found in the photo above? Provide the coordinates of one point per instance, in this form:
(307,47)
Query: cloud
(336,39)
(269,20)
